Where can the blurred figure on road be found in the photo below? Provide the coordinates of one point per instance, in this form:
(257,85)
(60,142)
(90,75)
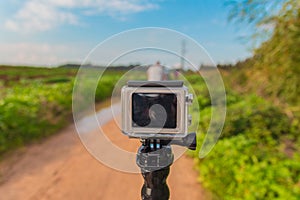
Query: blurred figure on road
(176,74)
(156,72)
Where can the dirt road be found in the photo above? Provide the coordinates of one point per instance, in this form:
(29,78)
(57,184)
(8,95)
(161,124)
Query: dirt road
(61,168)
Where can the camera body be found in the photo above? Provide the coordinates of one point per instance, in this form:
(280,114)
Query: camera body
(155,109)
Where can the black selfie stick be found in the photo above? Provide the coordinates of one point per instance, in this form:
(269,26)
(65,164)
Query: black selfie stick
(154,158)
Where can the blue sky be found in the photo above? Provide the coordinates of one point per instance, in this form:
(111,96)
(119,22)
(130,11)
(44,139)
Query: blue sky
(52,32)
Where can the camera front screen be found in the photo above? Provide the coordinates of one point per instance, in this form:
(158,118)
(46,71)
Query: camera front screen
(154,110)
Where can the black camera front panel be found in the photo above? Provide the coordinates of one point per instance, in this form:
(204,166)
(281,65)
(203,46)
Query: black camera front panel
(154,110)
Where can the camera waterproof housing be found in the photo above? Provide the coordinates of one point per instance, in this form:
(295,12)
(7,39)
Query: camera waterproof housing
(155,109)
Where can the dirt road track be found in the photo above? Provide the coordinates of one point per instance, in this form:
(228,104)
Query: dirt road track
(61,168)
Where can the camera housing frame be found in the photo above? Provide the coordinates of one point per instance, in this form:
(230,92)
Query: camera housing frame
(183,99)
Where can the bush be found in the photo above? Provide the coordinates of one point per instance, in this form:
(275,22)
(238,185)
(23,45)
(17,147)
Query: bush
(32,110)
(241,168)
(255,118)
(250,159)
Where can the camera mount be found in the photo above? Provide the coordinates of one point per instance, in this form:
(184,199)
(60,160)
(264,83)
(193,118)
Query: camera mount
(154,158)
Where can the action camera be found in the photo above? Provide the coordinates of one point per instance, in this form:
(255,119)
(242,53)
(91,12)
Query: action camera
(155,109)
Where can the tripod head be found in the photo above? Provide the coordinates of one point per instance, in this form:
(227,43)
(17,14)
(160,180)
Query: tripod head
(157,154)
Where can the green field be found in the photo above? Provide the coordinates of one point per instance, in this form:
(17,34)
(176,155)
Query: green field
(37,102)
(257,156)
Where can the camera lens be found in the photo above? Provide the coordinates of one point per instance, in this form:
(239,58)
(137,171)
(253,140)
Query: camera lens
(154,110)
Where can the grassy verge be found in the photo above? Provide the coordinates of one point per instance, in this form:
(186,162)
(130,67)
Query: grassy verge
(257,156)
(37,105)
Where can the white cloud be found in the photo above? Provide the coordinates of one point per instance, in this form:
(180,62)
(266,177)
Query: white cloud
(38,16)
(42,15)
(37,54)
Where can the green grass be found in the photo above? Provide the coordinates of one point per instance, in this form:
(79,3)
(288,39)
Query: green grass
(37,102)
(257,156)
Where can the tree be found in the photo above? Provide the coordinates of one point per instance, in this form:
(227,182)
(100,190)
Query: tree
(278,57)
